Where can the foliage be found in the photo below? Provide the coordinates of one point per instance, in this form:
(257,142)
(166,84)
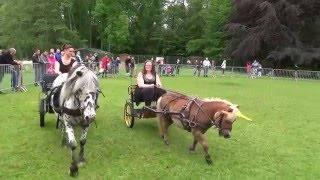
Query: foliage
(259,28)
(113,25)
(283,30)
(212,40)
(27,30)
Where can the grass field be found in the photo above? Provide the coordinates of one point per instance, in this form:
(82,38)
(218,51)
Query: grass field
(281,143)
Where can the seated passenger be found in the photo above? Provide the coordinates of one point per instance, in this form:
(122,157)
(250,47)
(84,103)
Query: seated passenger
(149,85)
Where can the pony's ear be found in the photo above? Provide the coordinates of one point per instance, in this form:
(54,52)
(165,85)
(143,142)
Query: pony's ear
(217,115)
(226,112)
(79,73)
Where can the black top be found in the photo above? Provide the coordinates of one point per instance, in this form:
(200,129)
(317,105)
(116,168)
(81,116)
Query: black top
(128,61)
(36,59)
(65,68)
(149,81)
(6,58)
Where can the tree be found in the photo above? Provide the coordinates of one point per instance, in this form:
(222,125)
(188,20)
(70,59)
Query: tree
(113,25)
(214,39)
(272,29)
(39,24)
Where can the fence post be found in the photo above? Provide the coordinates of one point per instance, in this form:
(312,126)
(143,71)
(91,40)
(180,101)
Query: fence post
(232,73)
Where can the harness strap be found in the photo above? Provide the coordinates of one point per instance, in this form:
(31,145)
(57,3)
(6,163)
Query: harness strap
(185,112)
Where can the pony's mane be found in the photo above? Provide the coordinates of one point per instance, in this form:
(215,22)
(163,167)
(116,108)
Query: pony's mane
(87,80)
(211,99)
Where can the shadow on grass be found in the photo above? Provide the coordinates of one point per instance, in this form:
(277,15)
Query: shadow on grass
(229,84)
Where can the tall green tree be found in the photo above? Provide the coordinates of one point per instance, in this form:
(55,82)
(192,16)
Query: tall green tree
(146,26)
(38,24)
(113,25)
(175,34)
(282,30)
(213,40)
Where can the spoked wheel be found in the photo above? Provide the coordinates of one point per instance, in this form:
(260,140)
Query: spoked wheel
(42,111)
(128,115)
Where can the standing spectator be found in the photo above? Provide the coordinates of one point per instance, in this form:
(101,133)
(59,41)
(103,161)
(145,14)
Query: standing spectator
(117,64)
(296,68)
(254,67)
(248,69)
(160,63)
(178,66)
(0,52)
(112,63)
(223,66)
(96,61)
(132,66)
(197,68)
(57,55)
(52,60)
(104,64)
(206,66)
(7,58)
(38,67)
(259,70)
(127,64)
(86,60)
(78,57)
(46,65)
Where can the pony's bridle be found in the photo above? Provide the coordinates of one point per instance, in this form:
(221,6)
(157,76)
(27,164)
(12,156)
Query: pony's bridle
(218,125)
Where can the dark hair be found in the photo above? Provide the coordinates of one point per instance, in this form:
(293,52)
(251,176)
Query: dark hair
(153,70)
(66,46)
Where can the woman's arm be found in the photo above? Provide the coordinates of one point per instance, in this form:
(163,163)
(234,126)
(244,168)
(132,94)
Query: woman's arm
(140,82)
(74,63)
(57,67)
(159,84)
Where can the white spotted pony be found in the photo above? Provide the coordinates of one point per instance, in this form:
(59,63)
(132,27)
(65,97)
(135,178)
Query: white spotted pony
(74,100)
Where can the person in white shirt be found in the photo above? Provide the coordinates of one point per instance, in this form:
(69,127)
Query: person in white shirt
(206,65)
(223,66)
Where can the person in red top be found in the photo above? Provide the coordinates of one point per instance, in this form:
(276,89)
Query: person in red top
(104,63)
(248,68)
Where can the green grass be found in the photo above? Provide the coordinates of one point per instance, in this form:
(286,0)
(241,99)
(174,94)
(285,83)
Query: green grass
(281,143)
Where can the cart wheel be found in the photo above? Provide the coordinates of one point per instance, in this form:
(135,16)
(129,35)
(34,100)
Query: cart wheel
(42,112)
(127,115)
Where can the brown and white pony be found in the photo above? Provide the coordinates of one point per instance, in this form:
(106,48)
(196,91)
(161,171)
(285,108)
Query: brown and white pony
(196,116)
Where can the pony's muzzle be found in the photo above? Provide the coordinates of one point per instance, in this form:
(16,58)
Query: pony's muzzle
(225,133)
(89,116)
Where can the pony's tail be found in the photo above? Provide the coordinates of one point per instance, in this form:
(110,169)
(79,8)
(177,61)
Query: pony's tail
(160,116)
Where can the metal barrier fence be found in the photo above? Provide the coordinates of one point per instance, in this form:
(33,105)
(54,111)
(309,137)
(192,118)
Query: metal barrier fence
(16,78)
(172,69)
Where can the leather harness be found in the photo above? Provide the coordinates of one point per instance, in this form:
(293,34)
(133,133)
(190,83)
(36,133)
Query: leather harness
(187,120)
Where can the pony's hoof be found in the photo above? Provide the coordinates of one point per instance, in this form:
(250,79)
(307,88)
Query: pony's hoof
(192,151)
(81,162)
(209,160)
(73,170)
(166,142)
